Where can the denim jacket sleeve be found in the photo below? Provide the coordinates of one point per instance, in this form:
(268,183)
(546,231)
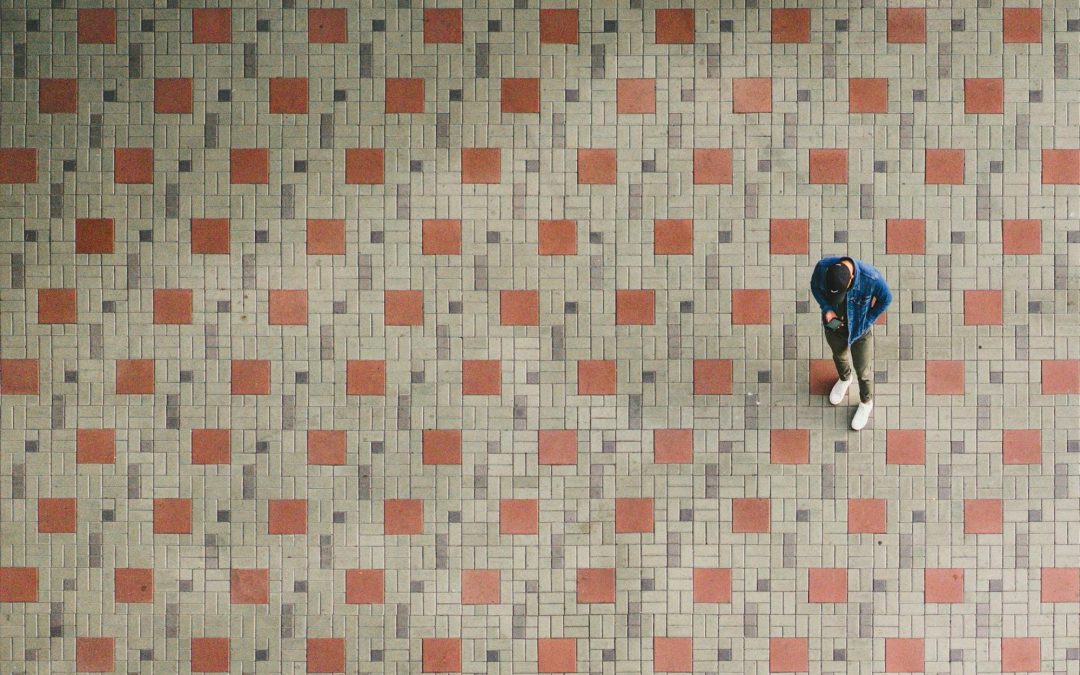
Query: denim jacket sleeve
(884,298)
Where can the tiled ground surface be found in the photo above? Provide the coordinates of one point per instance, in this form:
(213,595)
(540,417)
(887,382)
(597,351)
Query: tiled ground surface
(403,339)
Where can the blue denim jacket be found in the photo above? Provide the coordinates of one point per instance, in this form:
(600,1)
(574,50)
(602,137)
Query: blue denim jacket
(869,284)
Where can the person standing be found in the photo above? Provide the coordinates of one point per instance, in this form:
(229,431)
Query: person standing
(852,295)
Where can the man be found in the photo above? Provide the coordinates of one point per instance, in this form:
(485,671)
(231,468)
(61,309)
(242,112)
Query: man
(852,295)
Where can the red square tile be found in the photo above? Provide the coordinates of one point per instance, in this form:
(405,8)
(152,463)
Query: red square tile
(557,237)
(365,587)
(328,26)
(790,26)
(943,585)
(1021,655)
(750,515)
(133,165)
(674,26)
(822,376)
(596,585)
(789,446)
(441,446)
(983,308)
(403,308)
(133,585)
(172,515)
(597,166)
(288,95)
(868,95)
(250,377)
(673,446)
(174,95)
(366,378)
(1061,167)
(95,446)
(287,516)
(288,308)
(442,26)
(635,307)
(1021,446)
(326,655)
(1021,237)
(945,378)
(944,167)
(556,655)
(713,166)
(18,165)
(481,377)
(365,166)
(480,587)
(828,166)
(1021,25)
(519,308)
(519,516)
(326,447)
(905,236)
(905,446)
(209,655)
(597,378)
(97,26)
(57,515)
(789,236)
(557,447)
(712,584)
(673,237)
(441,655)
(211,26)
(210,236)
(481,166)
(904,655)
(673,655)
(867,516)
(751,95)
(984,95)
(19,377)
(57,305)
(248,166)
(211,446)
(906,25)
(403,516)
(325,237)
(983,516)
(1060,584)
(441,237)
(634,515)
(95,654)
(558,26)
(56,96)
(173,305)
(18,584)
(135,376)
(635,96)
(249,586)
(827,584)
(712,377)
(750,307)
(405,95)
(1060,377)
(520,94)
(789,655)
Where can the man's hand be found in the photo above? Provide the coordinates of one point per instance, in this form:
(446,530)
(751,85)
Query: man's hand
(829,316)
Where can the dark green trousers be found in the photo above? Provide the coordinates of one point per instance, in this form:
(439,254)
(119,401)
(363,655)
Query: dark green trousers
(861,352)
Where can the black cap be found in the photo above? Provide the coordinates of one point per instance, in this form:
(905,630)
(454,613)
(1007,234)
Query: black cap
(837,278)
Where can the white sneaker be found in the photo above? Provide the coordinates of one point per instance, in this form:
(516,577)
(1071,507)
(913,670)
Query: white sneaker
(839,390)
(862,415)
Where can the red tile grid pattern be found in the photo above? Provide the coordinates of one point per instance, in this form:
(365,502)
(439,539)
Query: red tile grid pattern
(461,338)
